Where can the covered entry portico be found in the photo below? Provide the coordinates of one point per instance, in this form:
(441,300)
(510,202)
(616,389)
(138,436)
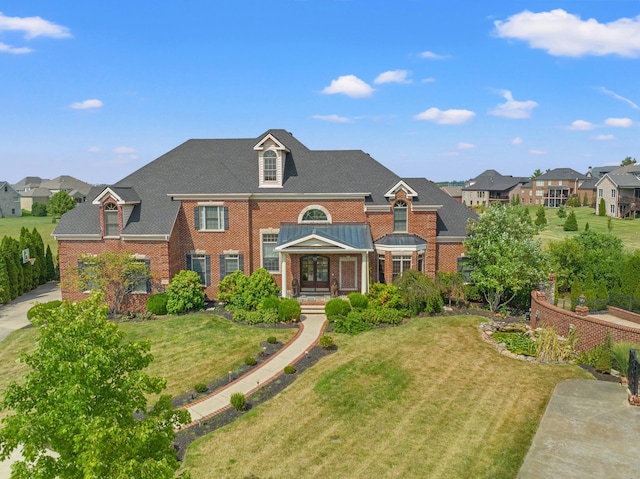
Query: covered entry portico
(315,256)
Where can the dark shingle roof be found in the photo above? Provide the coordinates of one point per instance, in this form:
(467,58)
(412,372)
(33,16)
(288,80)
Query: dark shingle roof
(227,166)
(568,174)
(494,183)
(452,217)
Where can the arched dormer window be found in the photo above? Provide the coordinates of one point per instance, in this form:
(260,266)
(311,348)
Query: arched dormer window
(111,220)
(270,166)
(314,214)
(400,216)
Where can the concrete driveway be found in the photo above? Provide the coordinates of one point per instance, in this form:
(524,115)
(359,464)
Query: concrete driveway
(13,316)
(588,430)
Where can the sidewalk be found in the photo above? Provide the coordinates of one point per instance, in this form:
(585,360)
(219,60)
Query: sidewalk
(588,430)
(311,328)
(13,316)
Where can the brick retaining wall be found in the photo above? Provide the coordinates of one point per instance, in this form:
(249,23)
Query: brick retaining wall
(624,314)
(589,329)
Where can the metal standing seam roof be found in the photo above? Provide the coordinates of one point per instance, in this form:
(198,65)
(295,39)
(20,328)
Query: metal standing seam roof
(401,239)
(354,235)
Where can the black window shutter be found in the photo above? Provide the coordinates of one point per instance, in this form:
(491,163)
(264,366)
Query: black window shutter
(148,265)
(223,271)
(226,218)
(241,262)
(196,217)
(207,274)
(189,268)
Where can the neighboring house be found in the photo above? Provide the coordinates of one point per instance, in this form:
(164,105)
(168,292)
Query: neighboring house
(620,190)
(216,206)
(454,191)
(9,201)
(34,189)
(553,188)
(490,186)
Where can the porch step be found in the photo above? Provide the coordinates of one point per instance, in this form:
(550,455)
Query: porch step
(312,308)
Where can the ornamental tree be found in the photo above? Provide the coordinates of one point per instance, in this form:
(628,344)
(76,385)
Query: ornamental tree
(504,257)
(79,398)
(59,204)
(117,275)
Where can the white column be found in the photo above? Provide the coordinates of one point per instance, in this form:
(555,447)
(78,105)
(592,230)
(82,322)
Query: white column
(364,276)
(283,272)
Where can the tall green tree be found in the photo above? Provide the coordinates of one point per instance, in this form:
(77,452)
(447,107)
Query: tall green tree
(11,249)
(628,161)
(60,203)
(576,291)
(5,287)
(28,269)
(503,254)
(537,172)
(39,254)
(602,208)
(50,265)
(78,400)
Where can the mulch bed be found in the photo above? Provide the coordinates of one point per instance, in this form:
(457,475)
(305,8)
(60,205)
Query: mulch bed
(186,436)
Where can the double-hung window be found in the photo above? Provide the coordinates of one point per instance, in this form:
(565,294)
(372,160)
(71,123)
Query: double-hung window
(201,264)
(111,221)
(270,258)
(270,166)
(211,218)
(230,263)
(400,265)
(400,216)
(140,280)
(88,273)
(613,193)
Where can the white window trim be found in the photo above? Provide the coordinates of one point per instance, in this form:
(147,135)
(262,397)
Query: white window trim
(329,219)
(269,231)
(203,221)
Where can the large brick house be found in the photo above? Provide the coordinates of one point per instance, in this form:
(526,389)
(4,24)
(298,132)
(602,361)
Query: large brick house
(309,217)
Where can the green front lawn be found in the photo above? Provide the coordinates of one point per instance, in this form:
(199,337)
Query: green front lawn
(12,226)
(427,399)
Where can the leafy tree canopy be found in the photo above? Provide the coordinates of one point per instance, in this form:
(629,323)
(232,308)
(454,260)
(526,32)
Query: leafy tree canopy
(60,203)
(628,161)
(79,398)
(504,255)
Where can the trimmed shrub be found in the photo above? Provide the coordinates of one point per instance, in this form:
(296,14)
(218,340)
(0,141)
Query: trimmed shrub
(238,401)
(336,307)
(358,300)
(571,223)
(326,341)
(231,288)
(289,369)
(250,361)
(41,308)
(562,212)
(270,302)
(377,316)
(266,316)
(239,291)
(38,209)
(385,296)
(272,340)
(352,323)
(419,292)
(157,304)
(602,208)
(200,387)
(289,310)
(185,293)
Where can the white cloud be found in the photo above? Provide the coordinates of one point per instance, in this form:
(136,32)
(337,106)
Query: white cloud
(332,118)
(432,56)
(619,97)
(86,104)
(94,149)
(33,27)
(465,146)
(15,50)
(581,125)
(564,34)
(123,150)
(450,154)
(428,80)
(349,85)
(392,76)
(537,152)
(516,141)
(514,109)
(445,117)
(619,122)
(604,137)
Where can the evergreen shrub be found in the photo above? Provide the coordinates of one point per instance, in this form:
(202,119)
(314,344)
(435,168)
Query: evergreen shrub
(157,304)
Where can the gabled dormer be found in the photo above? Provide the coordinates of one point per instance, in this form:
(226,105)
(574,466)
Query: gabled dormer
(116,205)
(271,159)
(401,186)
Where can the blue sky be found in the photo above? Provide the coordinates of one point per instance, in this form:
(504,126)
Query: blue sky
(440,89)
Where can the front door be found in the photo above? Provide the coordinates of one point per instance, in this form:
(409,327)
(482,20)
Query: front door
(314,272)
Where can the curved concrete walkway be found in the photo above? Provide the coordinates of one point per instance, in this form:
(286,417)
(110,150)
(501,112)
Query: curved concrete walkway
(13,316)
(311,328)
